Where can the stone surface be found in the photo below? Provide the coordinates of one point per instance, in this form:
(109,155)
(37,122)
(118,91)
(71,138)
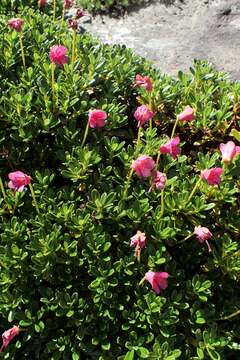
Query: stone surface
(173,33)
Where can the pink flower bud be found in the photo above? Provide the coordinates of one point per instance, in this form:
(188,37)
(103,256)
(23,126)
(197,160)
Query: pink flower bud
(143,166)
(97,118)
(8,335)
(16,24)
(159,180)
(42,3)
(143,114)
(171,147)
(139,240)
(73,24)
(187,114)
(144,81)
(212,176)
(203,234)
(80,13)
(229,151)
(18,180)
(158,280)
(58,55)
(68,4)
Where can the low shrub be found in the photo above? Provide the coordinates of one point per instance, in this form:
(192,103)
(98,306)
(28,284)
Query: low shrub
(115,7)
(69,278)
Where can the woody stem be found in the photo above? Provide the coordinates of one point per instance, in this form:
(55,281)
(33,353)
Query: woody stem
(85,134)
(54,10)
(127,183)
(157,161)
(73,47)
(174,128)
(142,281)
(131,171)
(162,203)
(34,198)
(185,239)
(53,84)
(194,190)
(63,14)
(231,315)
(138,138)
(22,49)
(4,194)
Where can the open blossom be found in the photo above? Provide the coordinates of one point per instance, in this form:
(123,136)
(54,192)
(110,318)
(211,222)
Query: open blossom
(8,335)
(212,176)
(80,13)
(16,24)
(73,24)
(158,280)
(143,166)
(68,4)
(187,114)
(42,3)
(143,114)
(171,147)
(144,81)
(18,180)
(97,118)
(229,151)
(138,240)
(203,234)
(159,180)
(58,55)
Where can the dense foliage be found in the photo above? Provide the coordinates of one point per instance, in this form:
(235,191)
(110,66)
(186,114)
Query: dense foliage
(113,7)
(68,275)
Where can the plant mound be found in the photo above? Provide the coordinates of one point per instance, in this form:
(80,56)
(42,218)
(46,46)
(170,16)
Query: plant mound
(119,236)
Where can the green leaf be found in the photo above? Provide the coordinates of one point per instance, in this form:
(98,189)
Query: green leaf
(235,134)
(129,355)
(200,353)
(214,355)
(143,352)
(75,356)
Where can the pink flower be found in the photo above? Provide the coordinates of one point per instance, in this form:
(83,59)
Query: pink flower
(68,4)
(16,24)
(237,150)
(18,180)
(42,3)
(144,81)
(212,176)
(138,240)
(96,118)
(80,13)
(171,147)
(159,180)
(203,234)
(143,114)
(73,24)
(229,151)
(143,166)
(158,280)
(187,114)
(58,55)
(8,335)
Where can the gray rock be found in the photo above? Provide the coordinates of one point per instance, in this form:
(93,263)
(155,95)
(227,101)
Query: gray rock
(173,35)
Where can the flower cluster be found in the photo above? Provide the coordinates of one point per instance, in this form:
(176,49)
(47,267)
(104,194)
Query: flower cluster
(84,208)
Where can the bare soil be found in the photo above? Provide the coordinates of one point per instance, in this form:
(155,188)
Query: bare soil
(174,33)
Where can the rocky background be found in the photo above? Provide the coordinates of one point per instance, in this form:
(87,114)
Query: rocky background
(173,33)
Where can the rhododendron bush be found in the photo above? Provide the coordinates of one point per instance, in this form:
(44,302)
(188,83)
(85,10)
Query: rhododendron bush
(119,193)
